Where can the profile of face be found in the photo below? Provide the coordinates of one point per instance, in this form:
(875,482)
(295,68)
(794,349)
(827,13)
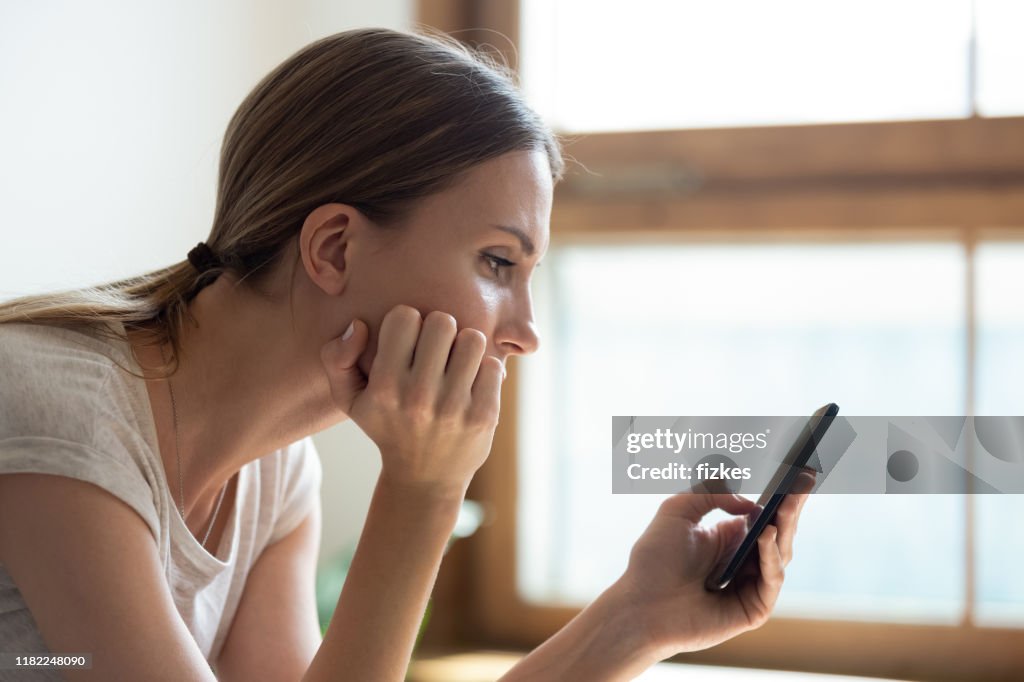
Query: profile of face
(469,251)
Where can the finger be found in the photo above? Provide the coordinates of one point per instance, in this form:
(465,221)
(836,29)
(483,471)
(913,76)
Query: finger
(772,570)
(399,331)
(695,505)
(750,570)
(730,534)
(733,527)
(806,481)
(487,391)
(432,348)
(788,514)
(727,534)
(769,584)
(785,523)
(467,351)
(342,354)
(340,358)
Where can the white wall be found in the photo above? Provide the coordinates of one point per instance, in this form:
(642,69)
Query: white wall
(111,121)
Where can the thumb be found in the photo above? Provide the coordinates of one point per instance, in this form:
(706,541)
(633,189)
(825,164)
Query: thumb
(339,357)
(694,505)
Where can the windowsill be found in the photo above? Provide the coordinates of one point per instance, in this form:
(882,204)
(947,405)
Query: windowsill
(487,666)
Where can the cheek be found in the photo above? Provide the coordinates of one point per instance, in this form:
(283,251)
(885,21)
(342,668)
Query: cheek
(470,297)
(476,311)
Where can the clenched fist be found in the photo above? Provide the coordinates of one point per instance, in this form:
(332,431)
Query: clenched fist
(431,400)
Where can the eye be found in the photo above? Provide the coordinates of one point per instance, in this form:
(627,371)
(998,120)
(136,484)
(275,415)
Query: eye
(496,263)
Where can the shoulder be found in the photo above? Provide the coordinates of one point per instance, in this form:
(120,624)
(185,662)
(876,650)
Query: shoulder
(62,413)
(28,336)
(48,355)
(51,379)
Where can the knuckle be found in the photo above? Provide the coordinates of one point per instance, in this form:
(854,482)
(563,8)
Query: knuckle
(421,416)
(450,410)
(418,397)
(387,396)
(486,416)
(451,421)
(481,424)
(418,411)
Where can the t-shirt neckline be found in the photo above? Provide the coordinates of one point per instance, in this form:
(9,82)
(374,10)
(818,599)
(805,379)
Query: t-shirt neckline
(181,537)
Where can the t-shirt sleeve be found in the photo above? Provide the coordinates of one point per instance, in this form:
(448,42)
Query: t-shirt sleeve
(46,455)
(62,413)
(301,476)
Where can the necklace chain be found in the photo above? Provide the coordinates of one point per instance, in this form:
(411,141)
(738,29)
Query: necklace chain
(177,456)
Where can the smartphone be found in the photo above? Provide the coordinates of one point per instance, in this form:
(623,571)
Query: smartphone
(781,483)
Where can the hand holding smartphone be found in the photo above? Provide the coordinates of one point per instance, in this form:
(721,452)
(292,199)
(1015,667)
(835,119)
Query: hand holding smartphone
(780,484)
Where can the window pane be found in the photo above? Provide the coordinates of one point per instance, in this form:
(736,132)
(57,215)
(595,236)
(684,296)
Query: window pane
(691,63)
(1000,57)
(742,329)
(1000,353)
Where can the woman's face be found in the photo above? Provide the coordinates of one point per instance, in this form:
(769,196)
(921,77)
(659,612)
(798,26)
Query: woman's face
(450,255)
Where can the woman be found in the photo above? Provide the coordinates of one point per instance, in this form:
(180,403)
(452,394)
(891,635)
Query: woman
(383,200)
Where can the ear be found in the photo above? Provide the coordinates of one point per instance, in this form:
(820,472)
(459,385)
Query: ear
(323,244)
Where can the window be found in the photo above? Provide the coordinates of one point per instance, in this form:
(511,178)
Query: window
(771,328)
(731,156)
(1000,550)
(763,328)
(691,63)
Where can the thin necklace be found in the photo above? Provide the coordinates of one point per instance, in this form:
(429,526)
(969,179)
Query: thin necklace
(177,456)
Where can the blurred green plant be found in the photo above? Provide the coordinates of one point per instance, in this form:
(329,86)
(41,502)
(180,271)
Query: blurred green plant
(330,576)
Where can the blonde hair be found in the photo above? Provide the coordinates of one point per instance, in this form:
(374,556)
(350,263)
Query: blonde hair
(374,118)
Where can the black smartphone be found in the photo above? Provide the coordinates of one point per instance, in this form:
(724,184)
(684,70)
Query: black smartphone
(775,492)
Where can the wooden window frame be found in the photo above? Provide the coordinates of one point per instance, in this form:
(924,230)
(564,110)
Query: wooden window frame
(959,179)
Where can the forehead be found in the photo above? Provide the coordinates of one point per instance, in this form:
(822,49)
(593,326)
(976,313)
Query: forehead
(514,189)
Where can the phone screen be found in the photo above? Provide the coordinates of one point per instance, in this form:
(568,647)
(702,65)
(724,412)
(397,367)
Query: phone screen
(775,492)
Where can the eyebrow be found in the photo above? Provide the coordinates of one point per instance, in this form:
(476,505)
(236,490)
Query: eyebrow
(524,239)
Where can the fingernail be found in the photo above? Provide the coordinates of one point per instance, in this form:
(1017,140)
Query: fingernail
(348,332)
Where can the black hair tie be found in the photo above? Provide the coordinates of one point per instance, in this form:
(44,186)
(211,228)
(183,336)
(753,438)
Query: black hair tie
(203,258)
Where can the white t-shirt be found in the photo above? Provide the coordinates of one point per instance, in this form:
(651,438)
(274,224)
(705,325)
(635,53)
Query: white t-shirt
(67,409)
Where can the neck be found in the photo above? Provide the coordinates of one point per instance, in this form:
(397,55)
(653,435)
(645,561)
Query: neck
(246,385)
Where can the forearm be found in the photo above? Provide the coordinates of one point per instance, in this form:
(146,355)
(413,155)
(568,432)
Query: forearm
(604,642)
(374,627)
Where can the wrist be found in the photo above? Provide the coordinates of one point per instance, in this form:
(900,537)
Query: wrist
(625,631)
(603,642)
(439,495)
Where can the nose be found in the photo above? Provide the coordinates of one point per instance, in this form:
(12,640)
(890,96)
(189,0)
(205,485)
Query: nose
(517,333)
(523,343)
